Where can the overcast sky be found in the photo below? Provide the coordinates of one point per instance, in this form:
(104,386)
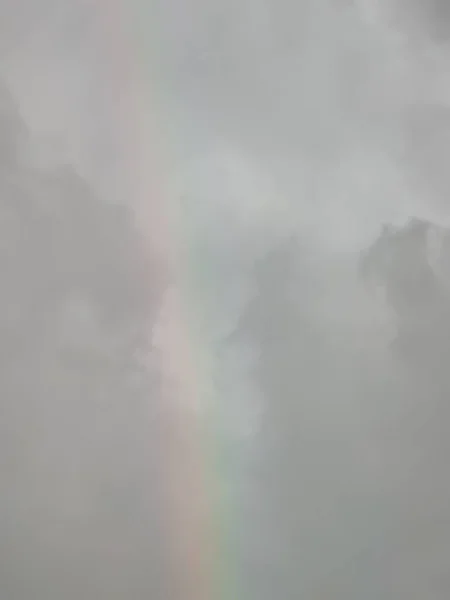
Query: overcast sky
(326,118)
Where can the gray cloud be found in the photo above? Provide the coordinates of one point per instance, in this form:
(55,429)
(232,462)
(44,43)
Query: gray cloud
(316,121)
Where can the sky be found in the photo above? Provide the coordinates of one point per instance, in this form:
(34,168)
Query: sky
(322,118)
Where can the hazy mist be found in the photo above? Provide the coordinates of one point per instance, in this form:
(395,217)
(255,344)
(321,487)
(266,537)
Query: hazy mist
(294,145)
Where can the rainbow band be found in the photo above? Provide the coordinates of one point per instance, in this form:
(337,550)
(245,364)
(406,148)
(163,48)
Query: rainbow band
(195,503)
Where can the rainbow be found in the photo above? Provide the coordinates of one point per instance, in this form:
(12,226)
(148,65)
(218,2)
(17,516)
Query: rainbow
(197,526)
